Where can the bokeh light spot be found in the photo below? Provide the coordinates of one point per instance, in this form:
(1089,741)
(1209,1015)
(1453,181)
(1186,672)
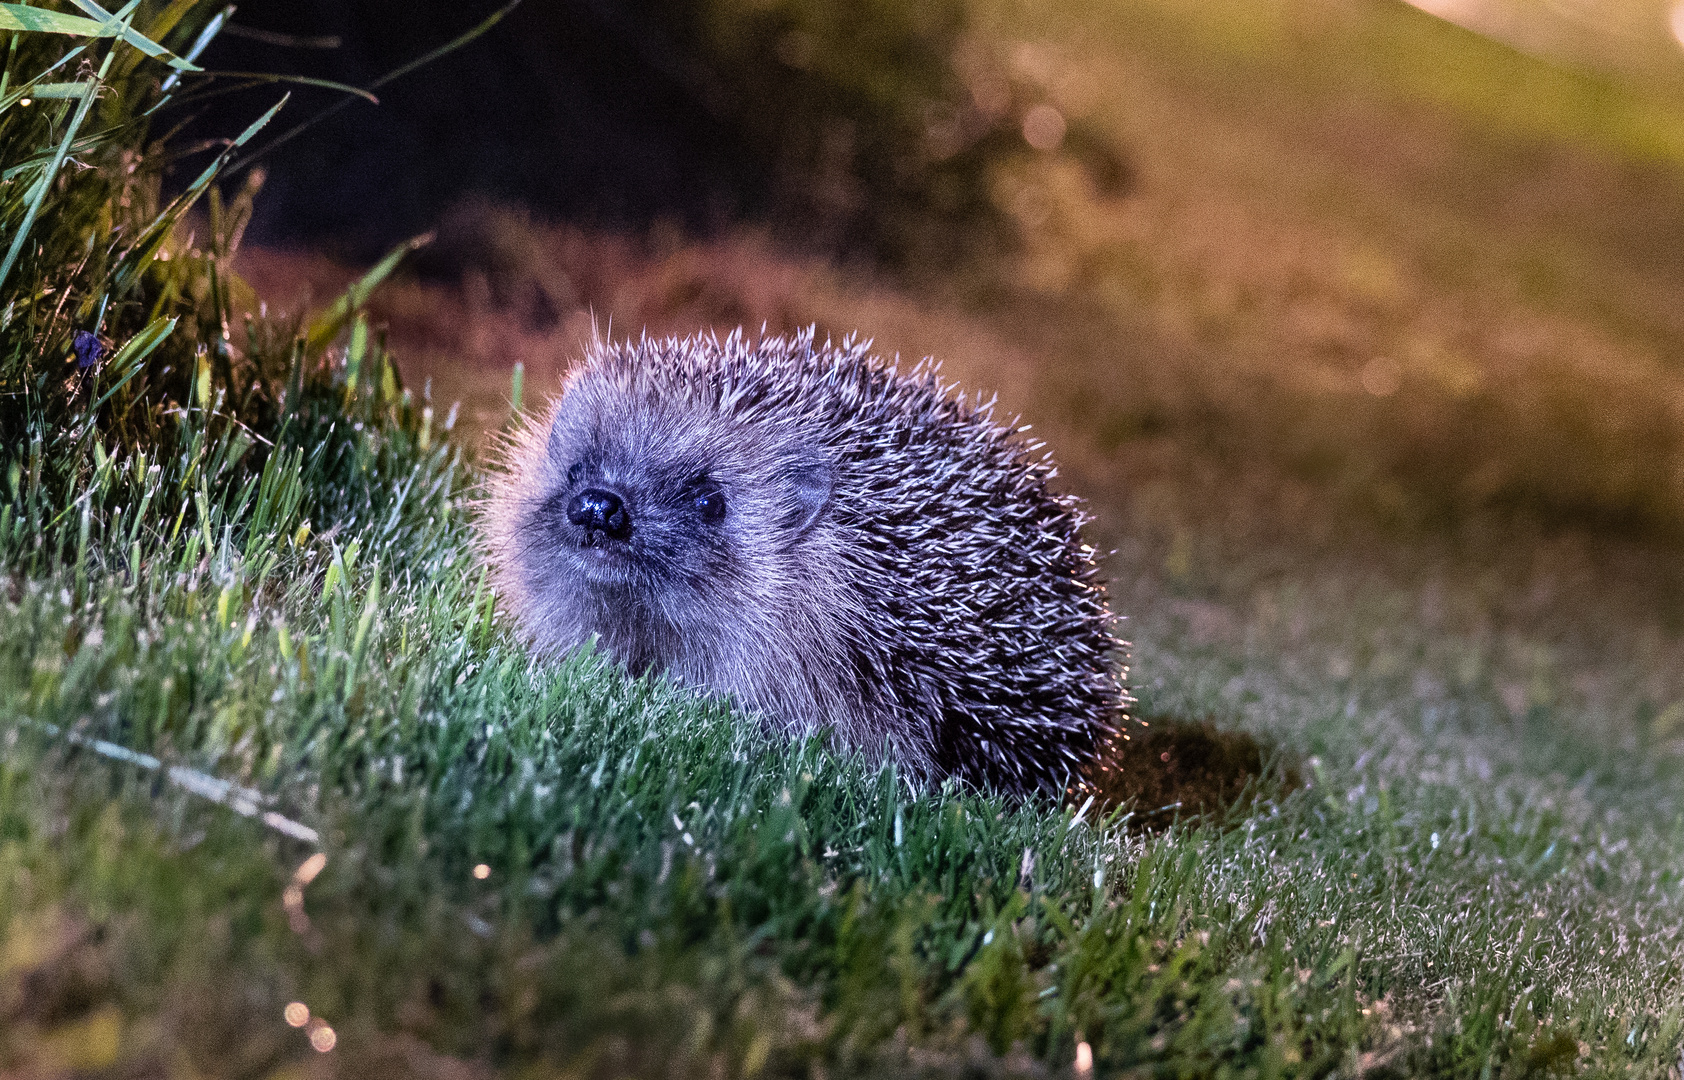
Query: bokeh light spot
(482,871)
(309,868)
(297,1014)
(1044,127)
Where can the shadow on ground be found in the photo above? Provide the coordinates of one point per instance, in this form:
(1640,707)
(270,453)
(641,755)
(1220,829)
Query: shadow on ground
(1173,769)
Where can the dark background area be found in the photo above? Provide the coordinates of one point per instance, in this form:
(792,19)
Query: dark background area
(848,126)
(583,110)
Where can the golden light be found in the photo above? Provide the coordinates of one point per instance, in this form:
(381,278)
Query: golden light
(1676,21)
(292,897)
(323,1038)
(309,868)
(482,871)
(297,1014)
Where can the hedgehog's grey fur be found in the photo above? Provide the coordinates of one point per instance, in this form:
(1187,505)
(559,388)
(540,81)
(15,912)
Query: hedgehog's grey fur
(890,563)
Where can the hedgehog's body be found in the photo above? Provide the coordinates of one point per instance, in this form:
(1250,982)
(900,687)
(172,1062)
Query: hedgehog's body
(831,542)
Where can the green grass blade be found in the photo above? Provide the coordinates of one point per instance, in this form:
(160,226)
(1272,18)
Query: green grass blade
(6,94)
(129,357)
(156,233)
(169,18)
(6,70)
(41,21)
(206,36)
(448,47)
(329,323)
(31,164)
(300,80)
(58,90)
(39,195)
(118,26)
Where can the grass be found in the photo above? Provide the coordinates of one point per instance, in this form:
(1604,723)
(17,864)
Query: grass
(245,557)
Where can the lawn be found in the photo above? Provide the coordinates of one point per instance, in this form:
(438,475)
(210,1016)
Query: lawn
(281,795)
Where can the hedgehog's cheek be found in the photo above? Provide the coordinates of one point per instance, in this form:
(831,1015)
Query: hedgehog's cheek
(702,562)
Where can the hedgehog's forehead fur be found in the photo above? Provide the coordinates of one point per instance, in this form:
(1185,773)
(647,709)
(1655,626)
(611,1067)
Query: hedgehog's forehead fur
(833,542)
(779,393)
(656,420)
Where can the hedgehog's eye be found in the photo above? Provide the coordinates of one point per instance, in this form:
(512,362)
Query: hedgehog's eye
(709,502)
(576,473)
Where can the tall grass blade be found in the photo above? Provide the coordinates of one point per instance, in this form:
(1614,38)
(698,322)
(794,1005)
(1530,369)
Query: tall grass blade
(43,185)
(329,323)
(134,262)
(127,362)
(41,21)
(118,26)
(206,36)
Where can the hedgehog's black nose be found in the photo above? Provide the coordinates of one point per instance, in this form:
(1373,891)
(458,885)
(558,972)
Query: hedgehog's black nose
(599,509)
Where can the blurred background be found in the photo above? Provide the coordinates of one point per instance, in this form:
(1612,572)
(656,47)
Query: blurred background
(1295,289)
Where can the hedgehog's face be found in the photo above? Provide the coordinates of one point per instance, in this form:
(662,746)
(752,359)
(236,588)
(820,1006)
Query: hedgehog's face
(667,507)
(624,517)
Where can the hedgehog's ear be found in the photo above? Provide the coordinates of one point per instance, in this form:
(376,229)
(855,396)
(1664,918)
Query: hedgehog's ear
(810,484)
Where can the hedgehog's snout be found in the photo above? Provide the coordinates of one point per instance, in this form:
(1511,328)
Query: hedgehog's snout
(598,510)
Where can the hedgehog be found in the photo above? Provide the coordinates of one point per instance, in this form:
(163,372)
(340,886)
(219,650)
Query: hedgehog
(834,543)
